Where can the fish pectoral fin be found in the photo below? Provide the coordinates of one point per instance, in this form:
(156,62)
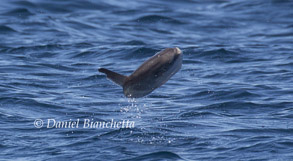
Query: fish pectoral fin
(115,77)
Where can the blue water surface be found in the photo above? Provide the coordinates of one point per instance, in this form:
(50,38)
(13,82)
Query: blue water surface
(231,100)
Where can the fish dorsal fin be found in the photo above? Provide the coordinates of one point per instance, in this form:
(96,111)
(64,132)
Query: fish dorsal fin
(115,77)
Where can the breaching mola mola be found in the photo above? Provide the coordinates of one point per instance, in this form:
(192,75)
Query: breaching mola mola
(150,75)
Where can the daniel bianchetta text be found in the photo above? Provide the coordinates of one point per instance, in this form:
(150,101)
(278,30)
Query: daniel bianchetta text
(89,123)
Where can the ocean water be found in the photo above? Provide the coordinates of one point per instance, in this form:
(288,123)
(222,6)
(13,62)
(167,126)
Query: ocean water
(231,100)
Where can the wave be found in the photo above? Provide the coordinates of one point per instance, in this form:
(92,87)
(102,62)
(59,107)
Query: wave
(26,49)
(157,156)
(156,19)
(138,53)
(218,54)
(29,102)
(6,30)
(134,42)
(196,113)
(19,12)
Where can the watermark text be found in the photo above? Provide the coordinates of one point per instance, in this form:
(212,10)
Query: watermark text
(83,123)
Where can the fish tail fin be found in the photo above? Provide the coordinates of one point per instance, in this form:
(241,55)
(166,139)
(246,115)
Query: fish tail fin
(115,77)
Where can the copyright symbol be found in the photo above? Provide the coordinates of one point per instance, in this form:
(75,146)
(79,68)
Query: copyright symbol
(38,123)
